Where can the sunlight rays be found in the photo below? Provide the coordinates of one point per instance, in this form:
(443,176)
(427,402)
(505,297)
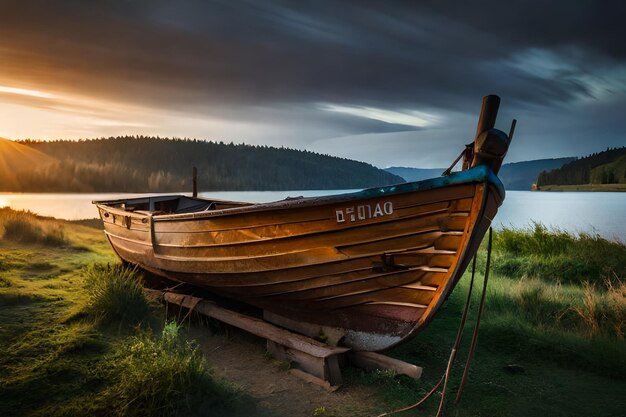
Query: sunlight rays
(24,92)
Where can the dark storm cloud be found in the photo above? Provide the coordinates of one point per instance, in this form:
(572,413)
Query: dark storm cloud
(399,54)
(239,59)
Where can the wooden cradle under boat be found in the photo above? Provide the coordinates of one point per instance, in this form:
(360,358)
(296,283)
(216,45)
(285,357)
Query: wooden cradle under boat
(377,263)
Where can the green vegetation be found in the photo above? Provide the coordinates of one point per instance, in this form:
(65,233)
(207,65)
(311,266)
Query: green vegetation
(552,339)
(115,294)
(522,175)
(164,376)
(557,256)
(27,227)
(148,164)
(585,187)
(69,349)
(608,167)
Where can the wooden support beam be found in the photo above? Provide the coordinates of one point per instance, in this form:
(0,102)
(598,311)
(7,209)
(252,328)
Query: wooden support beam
(312,356)
(371,361)
(321,362)
(331,335)
(256,326)
(326,369)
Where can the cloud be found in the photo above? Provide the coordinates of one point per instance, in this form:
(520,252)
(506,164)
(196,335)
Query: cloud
(297,74)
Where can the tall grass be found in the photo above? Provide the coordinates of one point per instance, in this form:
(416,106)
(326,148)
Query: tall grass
(164,376)
(115,294)
(555,255)
(604,312)
(27,227)
(587,310)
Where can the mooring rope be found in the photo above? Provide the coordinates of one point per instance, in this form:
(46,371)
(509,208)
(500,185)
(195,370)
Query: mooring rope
(459,335)
(470,355)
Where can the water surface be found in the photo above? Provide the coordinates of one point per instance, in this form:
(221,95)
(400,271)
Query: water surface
(590,212)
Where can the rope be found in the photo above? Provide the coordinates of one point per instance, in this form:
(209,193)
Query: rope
(444,378)
(451,359)
(470,355)
(458,158)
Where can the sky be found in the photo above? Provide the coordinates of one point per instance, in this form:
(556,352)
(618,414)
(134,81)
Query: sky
(394,83)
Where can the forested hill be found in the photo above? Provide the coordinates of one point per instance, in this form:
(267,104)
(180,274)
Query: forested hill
(514,176)
(148,164)
(608,167)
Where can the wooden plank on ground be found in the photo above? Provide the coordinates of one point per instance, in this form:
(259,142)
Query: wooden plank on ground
(372,361)
(256,326)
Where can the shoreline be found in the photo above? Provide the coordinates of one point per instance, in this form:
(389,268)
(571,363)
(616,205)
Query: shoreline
(609,188)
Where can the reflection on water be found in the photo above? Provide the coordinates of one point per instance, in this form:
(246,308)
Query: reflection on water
(601,213)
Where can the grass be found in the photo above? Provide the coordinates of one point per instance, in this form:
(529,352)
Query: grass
(555,311)
(164,376)
(69,348)
(557,256)
(27,227)
(116,294)
(551,340)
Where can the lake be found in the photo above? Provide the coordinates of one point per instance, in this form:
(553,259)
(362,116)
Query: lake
(593,212)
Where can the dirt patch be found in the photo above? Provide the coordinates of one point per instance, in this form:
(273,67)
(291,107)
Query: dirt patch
(240,358)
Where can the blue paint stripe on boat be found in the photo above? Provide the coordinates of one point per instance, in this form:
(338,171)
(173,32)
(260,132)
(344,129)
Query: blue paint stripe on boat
(481,173)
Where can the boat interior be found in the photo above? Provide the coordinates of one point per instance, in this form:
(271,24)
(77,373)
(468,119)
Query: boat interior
(171,204)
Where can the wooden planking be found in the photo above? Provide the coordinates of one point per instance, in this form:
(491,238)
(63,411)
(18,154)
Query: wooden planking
(293,259)
(359,235)
(382,294)
(415,239)
(320,219)
(465,250)
(448,242)
(370,241)
(311,270)
(275,233)
(305,211)
(279,283)
(417,281)
(367,283)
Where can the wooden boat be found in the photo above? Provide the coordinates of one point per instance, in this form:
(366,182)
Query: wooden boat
(377,263)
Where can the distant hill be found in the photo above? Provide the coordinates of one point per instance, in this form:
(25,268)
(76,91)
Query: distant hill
(607,167)
(522,175)
(415,174)
(15,158)
(514,176)
(148,164)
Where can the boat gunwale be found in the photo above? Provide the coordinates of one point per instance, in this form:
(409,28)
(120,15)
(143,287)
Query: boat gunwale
(479,174)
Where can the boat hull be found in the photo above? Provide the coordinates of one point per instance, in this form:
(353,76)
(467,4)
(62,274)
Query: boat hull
(376,264)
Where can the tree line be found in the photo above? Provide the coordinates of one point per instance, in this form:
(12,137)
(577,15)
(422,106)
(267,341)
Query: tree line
(153,164)
(606,167)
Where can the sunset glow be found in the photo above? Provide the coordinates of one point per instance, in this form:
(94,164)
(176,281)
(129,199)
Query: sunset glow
(24,92)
